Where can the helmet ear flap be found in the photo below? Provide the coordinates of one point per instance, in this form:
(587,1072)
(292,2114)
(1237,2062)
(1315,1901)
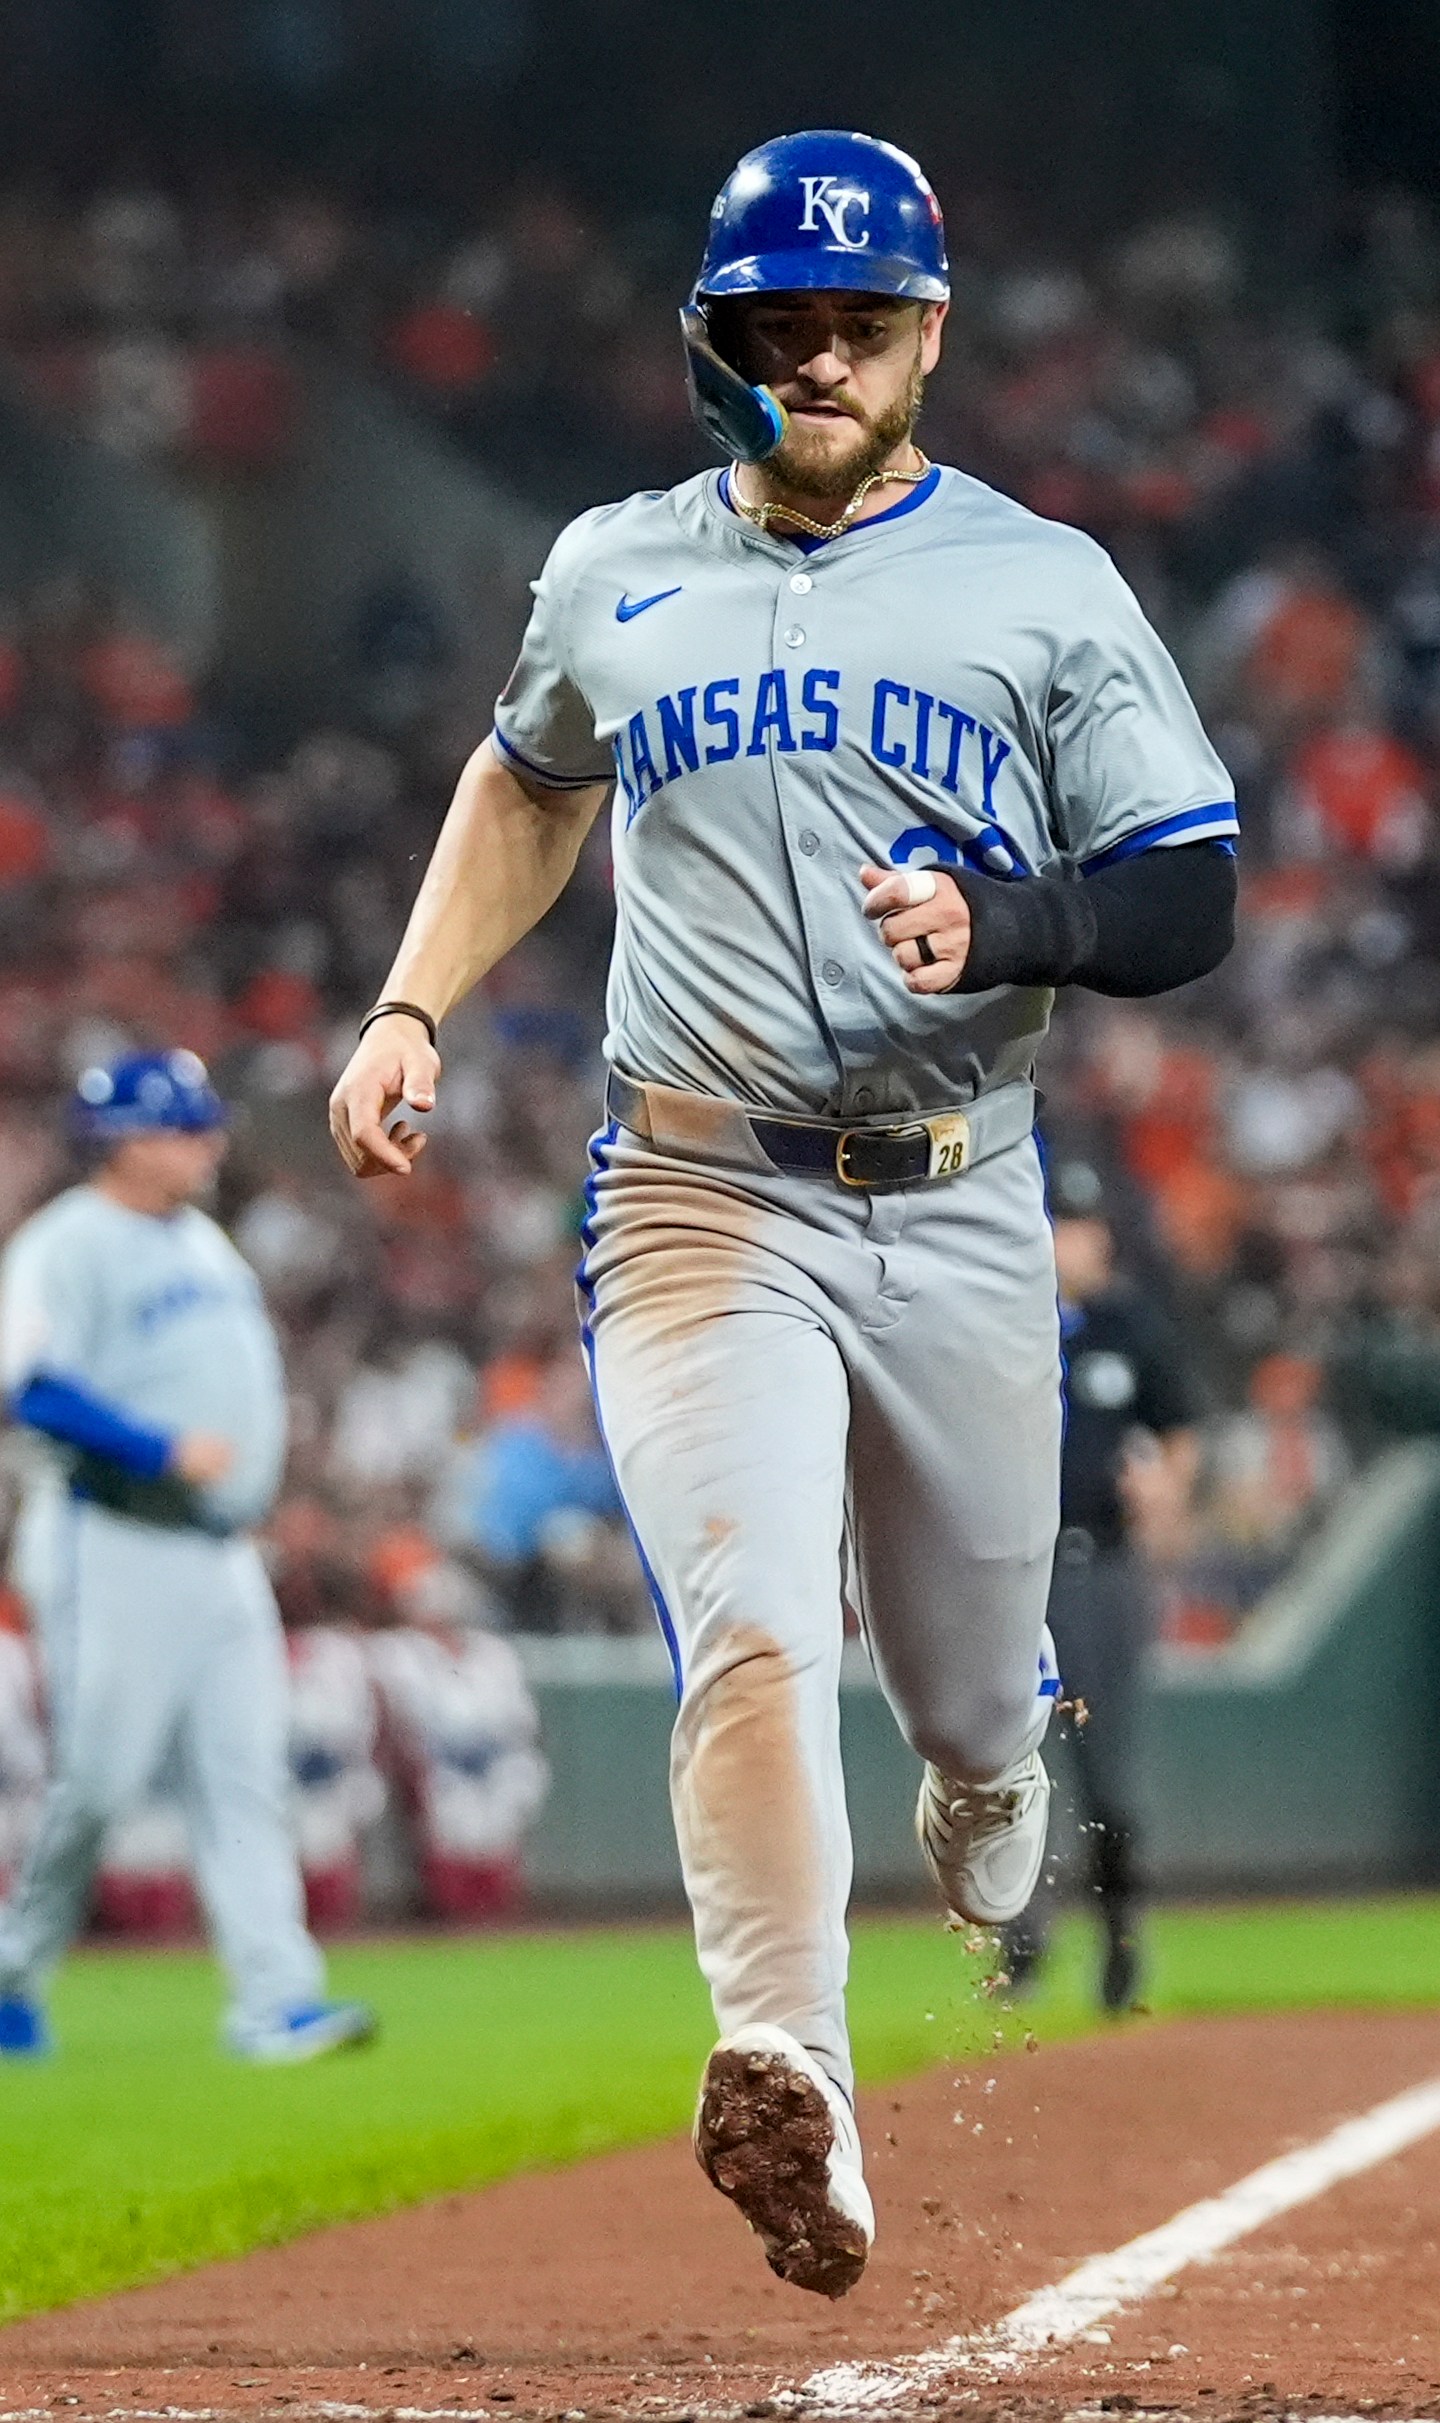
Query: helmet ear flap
(744,421)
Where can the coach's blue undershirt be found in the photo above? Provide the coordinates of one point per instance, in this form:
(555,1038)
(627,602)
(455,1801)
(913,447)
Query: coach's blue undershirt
(922,490)
(77,1419)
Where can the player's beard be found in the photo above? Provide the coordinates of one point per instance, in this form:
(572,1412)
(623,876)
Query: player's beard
(804,463)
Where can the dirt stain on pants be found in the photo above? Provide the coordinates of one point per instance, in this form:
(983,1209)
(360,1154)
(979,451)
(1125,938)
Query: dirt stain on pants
(747,1823)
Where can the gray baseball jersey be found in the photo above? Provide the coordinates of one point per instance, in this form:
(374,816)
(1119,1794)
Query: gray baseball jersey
(954,681)
(809,1391)
(156,1640)
(163,1319)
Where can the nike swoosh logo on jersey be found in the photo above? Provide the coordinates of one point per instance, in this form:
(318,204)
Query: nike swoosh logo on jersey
(629,607)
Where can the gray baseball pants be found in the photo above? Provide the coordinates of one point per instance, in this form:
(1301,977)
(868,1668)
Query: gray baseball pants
(809,1395)
(160,1643)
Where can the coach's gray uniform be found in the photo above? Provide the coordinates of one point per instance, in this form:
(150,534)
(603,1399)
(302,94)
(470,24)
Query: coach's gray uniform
(157,1637)
(804,1386)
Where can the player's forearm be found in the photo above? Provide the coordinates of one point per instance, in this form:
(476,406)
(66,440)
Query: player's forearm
(1154,921)
(503,858)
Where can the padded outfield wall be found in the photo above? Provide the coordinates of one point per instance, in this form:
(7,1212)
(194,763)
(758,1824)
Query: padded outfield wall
(1302,1755)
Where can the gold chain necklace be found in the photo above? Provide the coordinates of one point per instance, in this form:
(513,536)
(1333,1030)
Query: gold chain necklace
(763,515)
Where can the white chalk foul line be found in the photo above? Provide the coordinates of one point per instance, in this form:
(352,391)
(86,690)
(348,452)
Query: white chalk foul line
(1108,2283)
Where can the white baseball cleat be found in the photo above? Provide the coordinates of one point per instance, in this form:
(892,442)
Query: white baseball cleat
(984,1843)
(777,2137)
(304,2033)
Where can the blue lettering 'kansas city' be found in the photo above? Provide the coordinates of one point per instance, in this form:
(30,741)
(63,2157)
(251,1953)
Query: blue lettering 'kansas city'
(1002,706)
(928,735)
(910,729)
(180,1295)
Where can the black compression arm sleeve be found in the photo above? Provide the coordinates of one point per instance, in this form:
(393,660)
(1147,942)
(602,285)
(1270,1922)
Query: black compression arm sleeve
(1156,920)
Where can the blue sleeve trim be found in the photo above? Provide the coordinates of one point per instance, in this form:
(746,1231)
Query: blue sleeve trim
(552,782)
(77,1419)
(1217,822)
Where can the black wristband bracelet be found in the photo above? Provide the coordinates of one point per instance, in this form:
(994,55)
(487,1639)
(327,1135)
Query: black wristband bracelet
(401,1009)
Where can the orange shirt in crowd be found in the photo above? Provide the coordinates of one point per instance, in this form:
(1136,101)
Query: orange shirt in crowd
(400,1558)
(1308,653)
(279,1005)
(25,850)
(1169,1131)
(1403,1139)
(1363,792)
(442,347)
(509,1384)
(1201,1210)
(135,684)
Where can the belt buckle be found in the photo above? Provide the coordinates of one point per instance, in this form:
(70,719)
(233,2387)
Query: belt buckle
(878,1135)
(842,1147)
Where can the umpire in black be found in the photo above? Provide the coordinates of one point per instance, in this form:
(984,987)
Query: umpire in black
(1128,1397)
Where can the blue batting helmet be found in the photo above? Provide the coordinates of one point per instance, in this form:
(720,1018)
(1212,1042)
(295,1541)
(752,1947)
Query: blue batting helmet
(142,1092)
(828,211)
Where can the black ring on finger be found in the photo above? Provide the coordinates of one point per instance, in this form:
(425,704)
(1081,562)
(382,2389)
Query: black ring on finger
(927,955)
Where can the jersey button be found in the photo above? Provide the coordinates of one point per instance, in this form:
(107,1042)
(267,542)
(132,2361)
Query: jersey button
(832,971)
(809,843)
(801,583)
(794,637)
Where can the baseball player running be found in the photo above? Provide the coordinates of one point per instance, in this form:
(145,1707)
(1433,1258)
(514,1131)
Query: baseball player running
(892,758)
(134,1341)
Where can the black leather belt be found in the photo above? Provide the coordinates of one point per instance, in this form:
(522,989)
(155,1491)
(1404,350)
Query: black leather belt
(857,1156)
(911,1153)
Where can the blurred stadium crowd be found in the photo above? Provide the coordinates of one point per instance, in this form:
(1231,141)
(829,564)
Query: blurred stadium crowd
(1265,466)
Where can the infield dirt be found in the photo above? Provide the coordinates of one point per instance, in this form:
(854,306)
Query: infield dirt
(627,2287)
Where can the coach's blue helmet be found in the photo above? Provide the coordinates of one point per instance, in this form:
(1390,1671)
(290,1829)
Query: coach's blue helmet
(145,1091)
(827,211)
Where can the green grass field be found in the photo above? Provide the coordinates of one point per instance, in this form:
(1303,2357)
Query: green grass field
(142,2150)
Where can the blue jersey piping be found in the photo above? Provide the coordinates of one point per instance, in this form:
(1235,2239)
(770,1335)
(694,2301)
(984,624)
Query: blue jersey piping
(552,782)
(919,495)
(599,1149)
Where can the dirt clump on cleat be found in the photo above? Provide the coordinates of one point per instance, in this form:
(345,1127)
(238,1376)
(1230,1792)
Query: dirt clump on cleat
(764,2135)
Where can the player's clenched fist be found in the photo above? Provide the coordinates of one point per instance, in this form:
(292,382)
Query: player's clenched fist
(924,919)
(393,1062)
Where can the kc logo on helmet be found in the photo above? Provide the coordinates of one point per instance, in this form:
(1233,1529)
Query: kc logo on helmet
(834,201)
